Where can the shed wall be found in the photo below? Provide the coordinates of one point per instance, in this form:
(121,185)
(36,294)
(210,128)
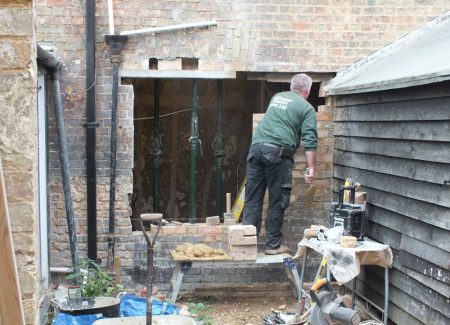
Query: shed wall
(397,145)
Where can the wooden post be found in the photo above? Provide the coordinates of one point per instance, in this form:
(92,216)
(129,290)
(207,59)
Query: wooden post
(11,311)
(228,203)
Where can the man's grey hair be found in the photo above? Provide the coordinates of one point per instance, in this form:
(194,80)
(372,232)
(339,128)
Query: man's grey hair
(301,82)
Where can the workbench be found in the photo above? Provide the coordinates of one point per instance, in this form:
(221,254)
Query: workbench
(182,266)
(344,264)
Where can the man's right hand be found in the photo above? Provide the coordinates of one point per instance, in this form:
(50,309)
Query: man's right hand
(309,175)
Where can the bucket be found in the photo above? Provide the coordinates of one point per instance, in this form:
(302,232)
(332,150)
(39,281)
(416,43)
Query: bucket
(141,320)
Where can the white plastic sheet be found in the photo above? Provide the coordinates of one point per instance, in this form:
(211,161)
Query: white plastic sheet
(344,263)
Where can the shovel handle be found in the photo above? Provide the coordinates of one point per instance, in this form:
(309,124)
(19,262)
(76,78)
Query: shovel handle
(149,217)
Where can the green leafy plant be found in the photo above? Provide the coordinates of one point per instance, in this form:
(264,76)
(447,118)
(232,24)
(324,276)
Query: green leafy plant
(200,311)
(93,280)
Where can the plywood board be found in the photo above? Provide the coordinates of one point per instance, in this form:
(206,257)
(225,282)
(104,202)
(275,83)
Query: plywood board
(11,310)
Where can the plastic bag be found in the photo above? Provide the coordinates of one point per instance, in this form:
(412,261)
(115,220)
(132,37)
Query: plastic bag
(67,319)
(334,235)
(132,305)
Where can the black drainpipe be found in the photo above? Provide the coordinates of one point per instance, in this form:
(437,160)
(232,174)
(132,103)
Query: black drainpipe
(91,125)
(219,152)
(53,66)
(116,42)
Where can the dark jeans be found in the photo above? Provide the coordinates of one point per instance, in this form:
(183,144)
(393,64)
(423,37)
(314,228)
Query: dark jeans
(266,169)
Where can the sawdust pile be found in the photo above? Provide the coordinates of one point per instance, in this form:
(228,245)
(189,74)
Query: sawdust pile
(198,252)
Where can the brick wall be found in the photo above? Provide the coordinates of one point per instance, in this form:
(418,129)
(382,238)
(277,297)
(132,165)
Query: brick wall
(314,36)
(202,275)
(18,142)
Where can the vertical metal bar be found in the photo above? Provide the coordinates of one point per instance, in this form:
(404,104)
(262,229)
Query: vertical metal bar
(219,152)
(302,278)
(149,285)
(116,43)
(194,145)
(386,296)
(91,176)
(156,149)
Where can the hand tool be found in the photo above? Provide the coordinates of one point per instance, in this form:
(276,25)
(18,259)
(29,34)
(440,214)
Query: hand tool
(310,192)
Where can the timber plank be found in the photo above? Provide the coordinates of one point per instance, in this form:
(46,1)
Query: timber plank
(427,192)
(432,109)
(413,288)
(425,251)
(440,287)
(425,267)
(413,169)
(11,309)
(408,130)
(426,151)
(426,212)
(396,314)
(383,235)
(414,228)
(435,90)
(411,304)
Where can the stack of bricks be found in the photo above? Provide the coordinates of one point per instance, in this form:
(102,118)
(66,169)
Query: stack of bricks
(242,243)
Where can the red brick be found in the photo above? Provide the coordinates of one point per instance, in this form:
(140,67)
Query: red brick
(209,230)
(169,230)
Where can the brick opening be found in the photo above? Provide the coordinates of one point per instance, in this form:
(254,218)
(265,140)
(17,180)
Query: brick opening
(241,98)
(189,63)
(153,64)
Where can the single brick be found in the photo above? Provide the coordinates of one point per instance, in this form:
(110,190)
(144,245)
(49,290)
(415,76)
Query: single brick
(249,230)
(235,231)
(239,256)
(245,241)
(246,249)
(213,221)
(209,230)
(169,230)
(228,215)
(169,64)
(191,229)
(229,222)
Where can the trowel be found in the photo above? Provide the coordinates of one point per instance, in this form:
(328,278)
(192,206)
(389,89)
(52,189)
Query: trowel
(310,192)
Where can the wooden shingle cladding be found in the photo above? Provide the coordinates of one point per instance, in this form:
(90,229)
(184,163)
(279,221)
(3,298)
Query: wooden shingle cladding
(396,144)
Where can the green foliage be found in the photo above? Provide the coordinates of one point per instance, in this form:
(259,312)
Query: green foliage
(93,280)
(200,311)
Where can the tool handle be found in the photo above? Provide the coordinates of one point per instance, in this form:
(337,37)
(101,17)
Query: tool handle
(149,217)
(341,194)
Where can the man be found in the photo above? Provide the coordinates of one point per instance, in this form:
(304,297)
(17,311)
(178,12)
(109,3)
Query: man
(289,119)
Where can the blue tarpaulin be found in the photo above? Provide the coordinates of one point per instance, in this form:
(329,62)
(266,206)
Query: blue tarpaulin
(130,305)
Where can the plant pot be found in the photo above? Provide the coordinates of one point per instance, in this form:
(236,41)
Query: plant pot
(107,306)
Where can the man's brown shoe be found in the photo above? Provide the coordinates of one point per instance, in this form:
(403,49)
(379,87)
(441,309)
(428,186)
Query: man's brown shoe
(280,250)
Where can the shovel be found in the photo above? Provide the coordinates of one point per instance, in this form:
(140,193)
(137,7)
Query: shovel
(150,217)
(310,192)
